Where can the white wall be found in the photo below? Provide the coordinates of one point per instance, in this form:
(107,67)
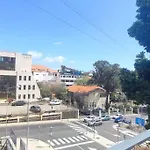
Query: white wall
(23,62)
(31,83)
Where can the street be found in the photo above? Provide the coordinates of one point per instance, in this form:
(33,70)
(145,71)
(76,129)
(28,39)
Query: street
(74,135)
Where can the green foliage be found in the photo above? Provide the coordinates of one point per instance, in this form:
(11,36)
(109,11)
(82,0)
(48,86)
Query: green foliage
(82,81)
(140,29)
(48,89)
(128,81)
(106,75)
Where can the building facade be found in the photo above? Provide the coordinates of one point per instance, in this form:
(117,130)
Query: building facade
(16,79)
(45,74)
(88,97)
(69,75)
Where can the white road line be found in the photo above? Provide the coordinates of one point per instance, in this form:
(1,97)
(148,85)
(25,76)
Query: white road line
(80,138)
(84,137)
(71,139)
(55,141)
(66,140)
(73,145)
(75,138)
(51,143)
(60,140)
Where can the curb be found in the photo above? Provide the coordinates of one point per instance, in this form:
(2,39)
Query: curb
(37,122)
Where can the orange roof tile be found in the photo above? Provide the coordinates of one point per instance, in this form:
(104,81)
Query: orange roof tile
(83,89)
(40,68)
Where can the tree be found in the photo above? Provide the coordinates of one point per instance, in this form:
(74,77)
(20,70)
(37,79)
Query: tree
(48,89)
(106,75)
(140,29)
(82,81)
(128,80)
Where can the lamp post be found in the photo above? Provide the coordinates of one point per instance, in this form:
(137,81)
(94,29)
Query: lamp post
(7,90)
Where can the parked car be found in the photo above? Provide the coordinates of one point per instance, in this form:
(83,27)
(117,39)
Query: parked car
(35,109)
(18,103)
(55,102)
(117,115)
(106,118)
(89,118)
(94,122)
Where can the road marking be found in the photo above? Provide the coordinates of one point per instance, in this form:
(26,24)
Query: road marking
(61,141)
(73,145)
(84,137)
(66,140)
(71,139)
(56,142)
(75,138)
(51,143)
(113,134)
(80,147)
(90,148)
(80,138)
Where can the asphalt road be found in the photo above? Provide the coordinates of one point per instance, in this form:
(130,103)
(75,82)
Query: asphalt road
(58,135)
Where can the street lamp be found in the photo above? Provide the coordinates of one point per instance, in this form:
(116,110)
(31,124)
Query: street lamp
(27,119)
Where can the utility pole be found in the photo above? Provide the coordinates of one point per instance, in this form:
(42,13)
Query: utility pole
(27,121)
(7,92)
(50,136)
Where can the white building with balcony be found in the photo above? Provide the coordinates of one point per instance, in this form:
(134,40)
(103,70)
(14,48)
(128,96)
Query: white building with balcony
(16,77)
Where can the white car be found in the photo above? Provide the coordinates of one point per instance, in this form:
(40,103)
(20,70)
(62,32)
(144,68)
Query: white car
(55,102)
(117,115)
(89,118)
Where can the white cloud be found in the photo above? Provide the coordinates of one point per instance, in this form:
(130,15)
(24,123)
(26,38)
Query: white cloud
(72,62)
(59,59)
(35,54)
(58,43)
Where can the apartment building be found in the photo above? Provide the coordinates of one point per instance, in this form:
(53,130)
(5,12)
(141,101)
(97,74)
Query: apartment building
(69,75)
(45,74)
(16,77)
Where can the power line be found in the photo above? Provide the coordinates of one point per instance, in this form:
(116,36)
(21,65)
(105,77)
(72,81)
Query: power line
(60,19)
(77,11)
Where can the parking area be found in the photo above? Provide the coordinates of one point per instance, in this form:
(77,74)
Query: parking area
(20,110)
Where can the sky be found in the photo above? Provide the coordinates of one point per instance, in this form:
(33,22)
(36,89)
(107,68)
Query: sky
(34,28)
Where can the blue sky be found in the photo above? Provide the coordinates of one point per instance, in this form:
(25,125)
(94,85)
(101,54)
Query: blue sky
(26,29)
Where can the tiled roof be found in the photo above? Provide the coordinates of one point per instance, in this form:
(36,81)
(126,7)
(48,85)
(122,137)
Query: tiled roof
(83,89)
(40,68)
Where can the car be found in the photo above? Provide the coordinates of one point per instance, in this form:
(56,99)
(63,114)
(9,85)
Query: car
(106,118)
(117,115)
(126,120)
(89,118)
(35,109)
(55,102)
(118,119)
(18,103)
(94,122)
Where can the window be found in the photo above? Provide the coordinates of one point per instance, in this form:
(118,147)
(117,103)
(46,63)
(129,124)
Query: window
(24,96)
(33,96)
(28,96)
(24,87)
(19,96)
(29,78)
(20,77)
(25,78)
(19,87)
(29,87)
(33,87)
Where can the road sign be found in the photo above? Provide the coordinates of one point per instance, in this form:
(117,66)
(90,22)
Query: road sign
(140,121)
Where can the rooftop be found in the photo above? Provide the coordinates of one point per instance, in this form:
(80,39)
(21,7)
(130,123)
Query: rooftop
(40,68)
(83,89)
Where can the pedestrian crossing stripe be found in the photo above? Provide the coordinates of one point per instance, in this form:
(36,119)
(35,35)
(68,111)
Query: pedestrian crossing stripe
(66,140)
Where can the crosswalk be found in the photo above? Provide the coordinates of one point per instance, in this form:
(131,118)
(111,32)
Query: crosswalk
(76,127)
(67,140)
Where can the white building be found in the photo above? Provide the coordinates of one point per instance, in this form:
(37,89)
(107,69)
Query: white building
(45,74)
(69,75)
(16,76)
